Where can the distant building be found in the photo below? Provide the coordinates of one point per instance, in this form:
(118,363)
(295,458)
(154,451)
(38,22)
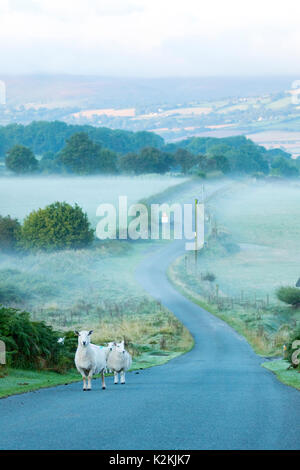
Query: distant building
(298,283)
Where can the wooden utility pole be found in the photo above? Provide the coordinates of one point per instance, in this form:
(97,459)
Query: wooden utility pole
(196,234)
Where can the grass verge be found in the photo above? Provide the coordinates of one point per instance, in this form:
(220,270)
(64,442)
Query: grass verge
(17,381)
(281,369)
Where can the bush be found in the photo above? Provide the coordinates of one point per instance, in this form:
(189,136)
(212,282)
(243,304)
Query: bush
(57,227)
(10,293)
(27,343)
(209,277)
(21,160)
(289,295)
(9,232)
(33,345)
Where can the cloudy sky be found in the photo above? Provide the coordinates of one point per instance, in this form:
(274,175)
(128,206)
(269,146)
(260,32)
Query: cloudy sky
(150,37)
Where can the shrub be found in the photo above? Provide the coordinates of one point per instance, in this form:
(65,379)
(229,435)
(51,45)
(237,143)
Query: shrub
(27,342)
(9,231)
(21,160)
(289,295)
(209,277)
(57,227)
(33,345)
(10,293)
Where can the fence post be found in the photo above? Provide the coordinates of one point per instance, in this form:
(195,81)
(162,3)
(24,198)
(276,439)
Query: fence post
(2,353)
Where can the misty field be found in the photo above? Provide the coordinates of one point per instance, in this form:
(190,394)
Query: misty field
(263,218)
(72,280)
(19,196)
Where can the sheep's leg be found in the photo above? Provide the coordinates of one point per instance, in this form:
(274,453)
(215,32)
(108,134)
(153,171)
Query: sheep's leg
(103,381)
(90,381)
(116,377)
(84,383)
(122,377)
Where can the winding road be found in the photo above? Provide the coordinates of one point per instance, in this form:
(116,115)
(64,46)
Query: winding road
(217,396)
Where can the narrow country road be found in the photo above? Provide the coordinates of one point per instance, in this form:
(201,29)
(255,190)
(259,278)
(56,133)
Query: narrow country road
(217,396)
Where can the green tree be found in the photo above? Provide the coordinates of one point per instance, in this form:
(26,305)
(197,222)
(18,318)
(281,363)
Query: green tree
(185,159)
(21,160)
(282,167)
(83,156)
(289,295)
(149,160)
(9,232)
(57,227)
(247,159)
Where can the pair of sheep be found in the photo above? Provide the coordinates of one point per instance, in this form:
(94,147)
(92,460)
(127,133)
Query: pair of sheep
(91,359)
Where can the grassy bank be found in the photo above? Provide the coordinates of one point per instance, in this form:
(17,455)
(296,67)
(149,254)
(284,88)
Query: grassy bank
(16,381)
(281,369)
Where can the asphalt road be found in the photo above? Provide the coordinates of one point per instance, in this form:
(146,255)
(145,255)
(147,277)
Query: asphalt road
(215,397)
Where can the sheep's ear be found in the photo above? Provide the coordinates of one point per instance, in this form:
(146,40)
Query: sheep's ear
(76,333)
(90,332)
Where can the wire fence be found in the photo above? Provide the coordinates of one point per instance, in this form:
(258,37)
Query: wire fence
(81,311)
(223,301)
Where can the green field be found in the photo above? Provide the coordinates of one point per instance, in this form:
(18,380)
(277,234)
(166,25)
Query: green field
(263,218)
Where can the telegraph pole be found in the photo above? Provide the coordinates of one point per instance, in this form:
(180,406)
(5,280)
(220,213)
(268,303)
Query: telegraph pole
(196,234)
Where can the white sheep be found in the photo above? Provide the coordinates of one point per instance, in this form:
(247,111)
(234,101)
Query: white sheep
(90,359)
(118,360)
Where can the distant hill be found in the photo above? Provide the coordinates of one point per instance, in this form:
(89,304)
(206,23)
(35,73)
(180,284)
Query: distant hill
(94,91)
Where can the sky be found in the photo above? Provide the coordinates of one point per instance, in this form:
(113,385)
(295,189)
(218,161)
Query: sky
(150,38)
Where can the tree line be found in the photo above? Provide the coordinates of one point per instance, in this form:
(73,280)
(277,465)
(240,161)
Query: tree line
(85,153)
(44,136)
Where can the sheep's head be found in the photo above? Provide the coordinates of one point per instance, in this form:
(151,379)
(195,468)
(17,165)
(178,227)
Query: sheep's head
(84,337)
(119,347)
